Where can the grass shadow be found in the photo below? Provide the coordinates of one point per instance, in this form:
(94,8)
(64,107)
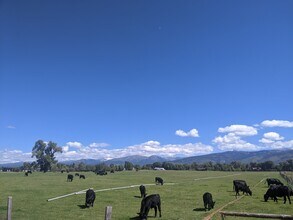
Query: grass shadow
(82,206)
(199,209)
(134,218)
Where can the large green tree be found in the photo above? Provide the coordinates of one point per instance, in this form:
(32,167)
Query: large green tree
(45,154)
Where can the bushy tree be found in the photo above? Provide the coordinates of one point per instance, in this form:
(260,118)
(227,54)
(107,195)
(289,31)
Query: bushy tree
(128,165)
(45,154)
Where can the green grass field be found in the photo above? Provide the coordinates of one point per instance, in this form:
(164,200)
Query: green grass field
(183,200)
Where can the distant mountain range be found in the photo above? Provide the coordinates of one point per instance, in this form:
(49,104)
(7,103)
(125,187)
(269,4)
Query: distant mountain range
(276,156)
(136,159)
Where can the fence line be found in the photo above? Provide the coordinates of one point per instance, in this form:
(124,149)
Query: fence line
(9,207)
(108,212)
(287,178)
(229,203)
(255,215)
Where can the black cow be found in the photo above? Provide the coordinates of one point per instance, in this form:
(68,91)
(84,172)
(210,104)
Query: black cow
(69,178)
(159,180)
(278,191)
(29,171)
(26,173)
(208,201)
(274,181)
(241,186)
(81,176)
(151,201)
(101,172)
(142,191)
(238,181)
(76,174)
(90,198)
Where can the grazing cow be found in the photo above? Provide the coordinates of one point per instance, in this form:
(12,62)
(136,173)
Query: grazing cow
(142,191)
(208,201)
(241,186)
(90,198)
(76,174)
(151,201)
(102,172)
(238,181)
(81,176)
(274,181)
(278,191)
(29,171)
(159,180)
(69,178)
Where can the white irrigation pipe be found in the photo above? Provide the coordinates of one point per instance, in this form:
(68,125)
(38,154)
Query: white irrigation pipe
(70,194)
(216,177)
(125,187)
(102,190)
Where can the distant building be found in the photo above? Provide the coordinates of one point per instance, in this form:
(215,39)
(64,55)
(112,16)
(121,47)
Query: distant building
(159,168)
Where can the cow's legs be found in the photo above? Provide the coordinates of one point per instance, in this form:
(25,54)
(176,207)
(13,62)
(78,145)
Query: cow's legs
(289,198)
(159,207)
(155,211)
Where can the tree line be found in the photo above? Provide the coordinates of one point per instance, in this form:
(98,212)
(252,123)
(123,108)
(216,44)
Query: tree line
(44,152)
(208,166)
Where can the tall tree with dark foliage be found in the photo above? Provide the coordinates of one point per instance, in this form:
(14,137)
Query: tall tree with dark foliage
(45,154)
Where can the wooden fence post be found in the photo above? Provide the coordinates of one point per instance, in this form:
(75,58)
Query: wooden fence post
(108,213)
(9,207)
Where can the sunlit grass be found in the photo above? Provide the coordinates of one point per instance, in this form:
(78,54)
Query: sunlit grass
(182,200)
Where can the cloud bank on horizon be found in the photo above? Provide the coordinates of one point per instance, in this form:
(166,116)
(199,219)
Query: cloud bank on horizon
(231,137)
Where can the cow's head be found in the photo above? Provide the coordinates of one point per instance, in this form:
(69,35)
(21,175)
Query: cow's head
(248,191)
(266,197)
(213,204)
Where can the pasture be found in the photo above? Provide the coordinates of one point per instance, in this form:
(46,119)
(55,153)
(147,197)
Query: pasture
(181,200)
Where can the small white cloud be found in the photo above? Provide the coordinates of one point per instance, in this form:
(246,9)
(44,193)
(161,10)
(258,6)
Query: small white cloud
(99,145)
(192,133)
(277,123)
(273,136)
(65,149)
(240,130)
(11,127)
(233,142)
(74,144)
(282,145)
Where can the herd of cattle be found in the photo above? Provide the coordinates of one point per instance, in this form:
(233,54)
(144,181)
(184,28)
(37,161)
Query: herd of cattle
(153,201)
(276,189)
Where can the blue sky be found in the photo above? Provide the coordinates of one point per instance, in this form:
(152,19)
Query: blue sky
(107,79)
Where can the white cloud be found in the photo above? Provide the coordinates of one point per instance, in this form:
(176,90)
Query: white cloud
(14,156)
(65,148)
(270,137)
(99,145)
(233,142)
(273,140)
(240,130)
(11,127)
(148,148)
(74,144)
(192,133)
(277,123)
(282,144)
